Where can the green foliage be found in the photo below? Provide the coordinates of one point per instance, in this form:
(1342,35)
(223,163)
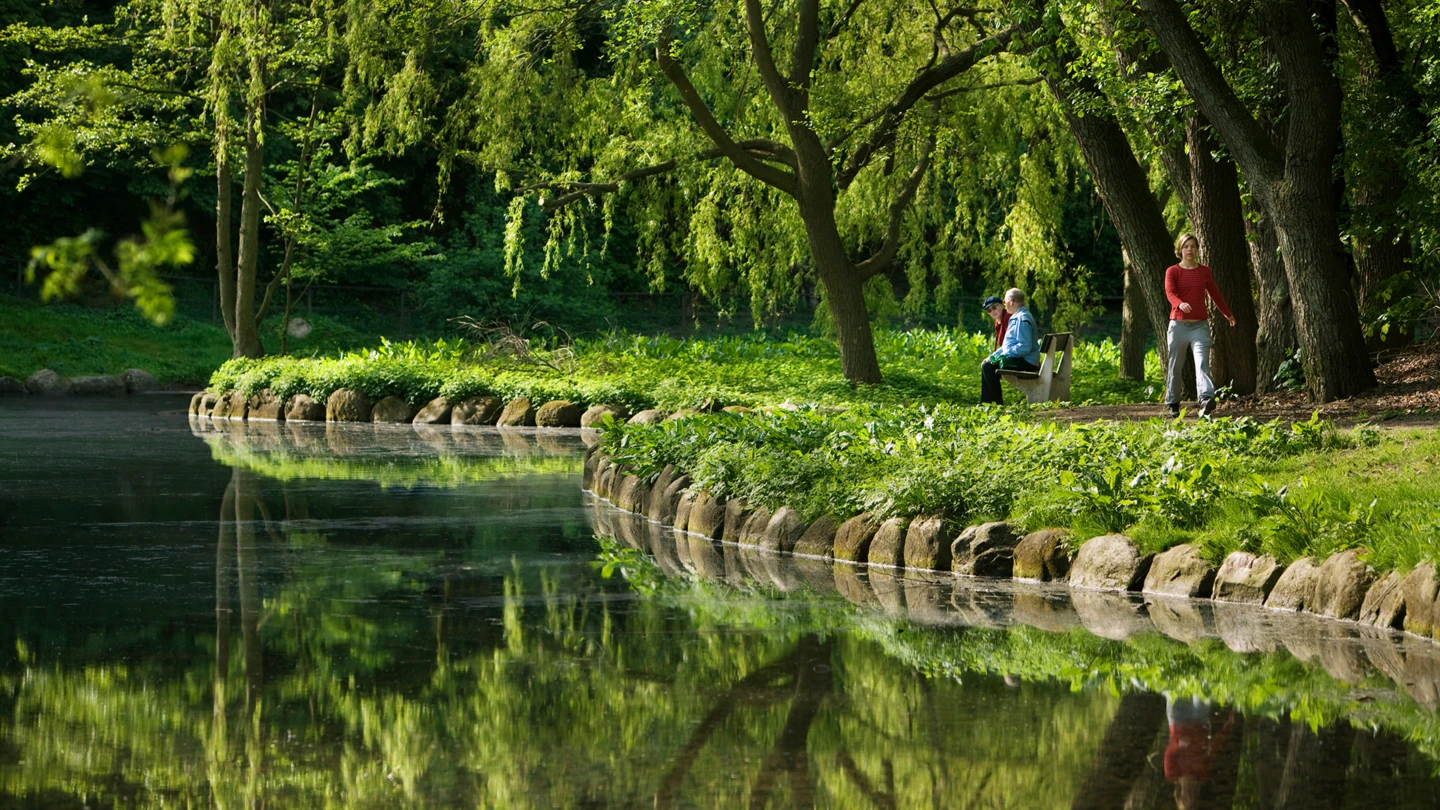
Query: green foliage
(639,371)
(970,464)
(164,245)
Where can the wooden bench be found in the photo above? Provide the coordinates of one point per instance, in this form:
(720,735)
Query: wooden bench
(1052,382)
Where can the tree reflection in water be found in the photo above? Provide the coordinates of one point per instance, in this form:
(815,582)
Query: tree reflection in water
(658,670)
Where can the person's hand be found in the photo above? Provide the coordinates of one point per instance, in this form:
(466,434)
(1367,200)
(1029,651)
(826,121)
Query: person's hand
(1185,308)
(1231,319)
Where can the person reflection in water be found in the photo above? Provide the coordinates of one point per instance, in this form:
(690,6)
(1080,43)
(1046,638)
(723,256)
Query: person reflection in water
(1194,742)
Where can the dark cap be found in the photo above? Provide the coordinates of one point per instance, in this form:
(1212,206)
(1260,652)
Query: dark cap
(992,301)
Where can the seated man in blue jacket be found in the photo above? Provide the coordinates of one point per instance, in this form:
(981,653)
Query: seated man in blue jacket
(1020,351)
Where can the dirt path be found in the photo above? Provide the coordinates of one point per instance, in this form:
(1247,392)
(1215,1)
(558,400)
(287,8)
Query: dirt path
(1408,396)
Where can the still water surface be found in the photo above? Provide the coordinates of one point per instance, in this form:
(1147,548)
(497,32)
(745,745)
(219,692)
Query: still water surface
(197,615)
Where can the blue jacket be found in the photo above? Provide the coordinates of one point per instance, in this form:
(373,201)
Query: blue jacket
(1020,340)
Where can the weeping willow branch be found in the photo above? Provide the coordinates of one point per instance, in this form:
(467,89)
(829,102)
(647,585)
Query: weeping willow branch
(758,148)
(879,261)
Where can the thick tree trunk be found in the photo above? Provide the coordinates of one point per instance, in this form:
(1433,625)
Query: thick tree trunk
(1125,192)
(224,248)
(1380,234)
(1294,188)
(845,295)
(1275,317)
(1219,222)
(1132,326)
(844,288)
(247,336)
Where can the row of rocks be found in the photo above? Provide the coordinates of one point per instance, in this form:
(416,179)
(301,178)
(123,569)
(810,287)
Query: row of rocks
(48,383)
(1340,587)
(348,405)
(1348,651)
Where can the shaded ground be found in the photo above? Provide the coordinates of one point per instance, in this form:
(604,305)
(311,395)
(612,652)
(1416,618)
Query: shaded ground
(1408,396)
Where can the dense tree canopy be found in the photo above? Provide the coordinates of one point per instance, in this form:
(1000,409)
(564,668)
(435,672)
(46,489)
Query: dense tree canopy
(876,157)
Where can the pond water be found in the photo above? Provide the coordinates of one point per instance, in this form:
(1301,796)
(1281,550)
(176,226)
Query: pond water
(285,616)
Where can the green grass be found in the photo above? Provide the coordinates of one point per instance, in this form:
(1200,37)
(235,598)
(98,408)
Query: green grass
(77,341)
(1224,485)
(756,369)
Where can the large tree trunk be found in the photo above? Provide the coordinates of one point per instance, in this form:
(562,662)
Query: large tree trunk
(844,287)
(224,249)
(247,333)
(1219,222)
(1132,325)
(1381,237)
(1294,188)
(1125,192)
(1275,335)
(845,296)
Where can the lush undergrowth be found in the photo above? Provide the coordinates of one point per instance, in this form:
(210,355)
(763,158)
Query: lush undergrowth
(920,366)
(1286,490)
(75,341)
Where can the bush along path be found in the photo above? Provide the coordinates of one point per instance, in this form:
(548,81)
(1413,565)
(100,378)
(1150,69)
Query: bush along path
(1161,508)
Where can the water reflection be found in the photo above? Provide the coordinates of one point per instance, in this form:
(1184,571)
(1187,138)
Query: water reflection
(426,639)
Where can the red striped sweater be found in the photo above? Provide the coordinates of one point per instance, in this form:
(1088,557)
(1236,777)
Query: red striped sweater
(1189,286)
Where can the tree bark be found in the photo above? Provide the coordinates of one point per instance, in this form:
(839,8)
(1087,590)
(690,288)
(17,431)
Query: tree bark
(247,333)
(1133,319)
(1294,188)
(1381,238)
(1125,192)
(1219,222)
(224,248)
(1275,317)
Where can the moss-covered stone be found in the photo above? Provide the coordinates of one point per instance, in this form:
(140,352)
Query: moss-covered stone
(559,413)
(392,411)
(347,405)
(476,411)
(518,412)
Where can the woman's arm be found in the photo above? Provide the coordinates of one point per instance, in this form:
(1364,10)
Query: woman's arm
(1214,290)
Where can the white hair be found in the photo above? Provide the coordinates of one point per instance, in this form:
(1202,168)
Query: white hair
(1014,294)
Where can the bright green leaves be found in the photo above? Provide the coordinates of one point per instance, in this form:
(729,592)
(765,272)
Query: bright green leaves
(163,244)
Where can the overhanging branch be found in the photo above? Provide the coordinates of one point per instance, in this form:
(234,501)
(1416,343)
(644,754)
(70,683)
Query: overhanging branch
(881,259)
(574,191)
(893,113)
(743,160)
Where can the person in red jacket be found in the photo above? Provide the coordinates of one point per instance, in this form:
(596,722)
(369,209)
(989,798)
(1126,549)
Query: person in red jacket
(1186,285)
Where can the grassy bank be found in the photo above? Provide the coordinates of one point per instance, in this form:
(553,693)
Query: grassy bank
(1224,485)
(920,366)
(76,341)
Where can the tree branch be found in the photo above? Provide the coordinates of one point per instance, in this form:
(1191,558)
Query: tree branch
(881,259)
(765,62)
(893,113)
(1226,112)
(807,32)
(759,148)
(844,19)
(784,181)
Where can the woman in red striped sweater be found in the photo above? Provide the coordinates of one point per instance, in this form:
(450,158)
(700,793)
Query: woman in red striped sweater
(1186,285)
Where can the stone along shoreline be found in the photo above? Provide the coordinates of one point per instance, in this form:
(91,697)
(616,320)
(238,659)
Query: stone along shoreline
(1341,587)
